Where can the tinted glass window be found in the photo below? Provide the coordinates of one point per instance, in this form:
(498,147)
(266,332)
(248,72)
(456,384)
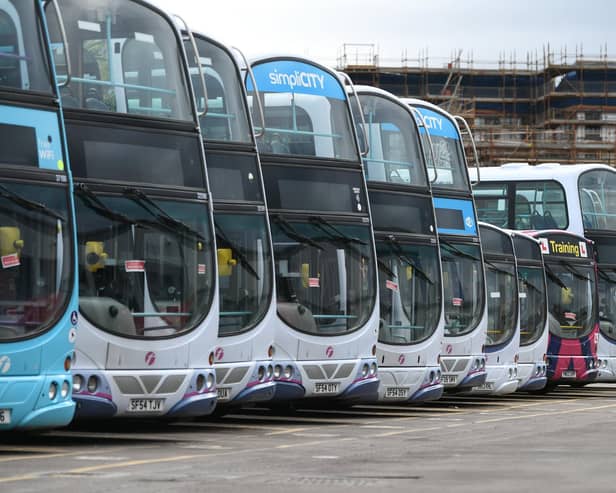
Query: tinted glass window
(35,258)
(233,176)
(244,270)
(402,213)
(463,287)
(502,292)
(533,303)
(227,115)
(125,58)
(23,61)
(409,291)
(306,111)
(135,156)
(304,188)
(446,163)
(540,205)
(324,275)
(394,154)
(526,248)
(145,264)
(494,242)
(597,190)
(492,203)
(571,301)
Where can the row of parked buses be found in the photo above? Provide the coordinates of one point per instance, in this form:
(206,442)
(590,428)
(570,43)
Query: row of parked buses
(186,257)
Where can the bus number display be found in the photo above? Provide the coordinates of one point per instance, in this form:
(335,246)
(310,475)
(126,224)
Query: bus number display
(396,392)
(326,387)
(146,405)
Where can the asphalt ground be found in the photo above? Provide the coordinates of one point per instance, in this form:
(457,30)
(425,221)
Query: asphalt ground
(563,442)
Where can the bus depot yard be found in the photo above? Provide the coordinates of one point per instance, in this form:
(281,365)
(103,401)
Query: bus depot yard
(522,442)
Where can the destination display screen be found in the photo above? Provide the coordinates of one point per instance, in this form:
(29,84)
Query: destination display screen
(455,216)
(526,248)
(233,176)
(309,189)
(401,213)
(135,156)
(495,242)
(565,246)
(22,150)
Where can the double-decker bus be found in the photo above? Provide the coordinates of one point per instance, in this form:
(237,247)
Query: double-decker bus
(147,271)
(532,371)
(503,336)
(462,357)
(326,287)
(38,289)
(409,270)
(572,307)
(579,198)
(244,349)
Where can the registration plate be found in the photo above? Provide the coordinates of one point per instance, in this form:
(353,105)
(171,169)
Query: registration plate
(396,392)
(485,386)
(326,388)
(146,405)
(569,374)
(447,379)
(223,393)
(5,416)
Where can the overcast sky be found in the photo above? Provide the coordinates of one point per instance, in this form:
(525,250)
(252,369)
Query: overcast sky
(485,29)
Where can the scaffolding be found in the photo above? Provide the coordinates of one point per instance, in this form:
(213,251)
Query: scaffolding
(546,107)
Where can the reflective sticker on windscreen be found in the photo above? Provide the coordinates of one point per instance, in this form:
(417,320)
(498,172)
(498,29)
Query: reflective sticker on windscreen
(11,260)
(313,282)
(134,265)
(457,301)
(391,285)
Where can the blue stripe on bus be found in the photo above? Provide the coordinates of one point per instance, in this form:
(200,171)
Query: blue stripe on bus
(46,127)
(295,77)
(466,210)
(438,124)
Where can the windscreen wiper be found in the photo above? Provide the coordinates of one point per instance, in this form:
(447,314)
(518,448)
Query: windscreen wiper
(292,233)
(497,268)
(91,201)
(162,217)
(574,271)
(29,204)
(397,249)
(550,273)
(223,238)
(323,224)
(459,252)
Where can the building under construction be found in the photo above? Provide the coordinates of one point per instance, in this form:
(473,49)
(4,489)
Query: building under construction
(553,108)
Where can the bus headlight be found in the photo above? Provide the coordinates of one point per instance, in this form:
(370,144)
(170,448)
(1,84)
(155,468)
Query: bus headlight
(53,390)
(200,382)
(365,369)
(432,379)
(373,369)
(77,383)
(270,371)
(261,373)
(64,389)
(92,384)
(288,372)
(210,381)
(277,371)
(483,363)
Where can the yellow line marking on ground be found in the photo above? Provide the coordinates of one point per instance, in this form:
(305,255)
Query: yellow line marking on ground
(403,432)
(316,442)
(288,431)
(548,413)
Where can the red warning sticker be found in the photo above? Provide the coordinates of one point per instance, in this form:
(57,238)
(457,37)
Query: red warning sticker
(313,282)
(457,301)
(11,260)
(201,269)
(570,316)
(134,265)
(391,285)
